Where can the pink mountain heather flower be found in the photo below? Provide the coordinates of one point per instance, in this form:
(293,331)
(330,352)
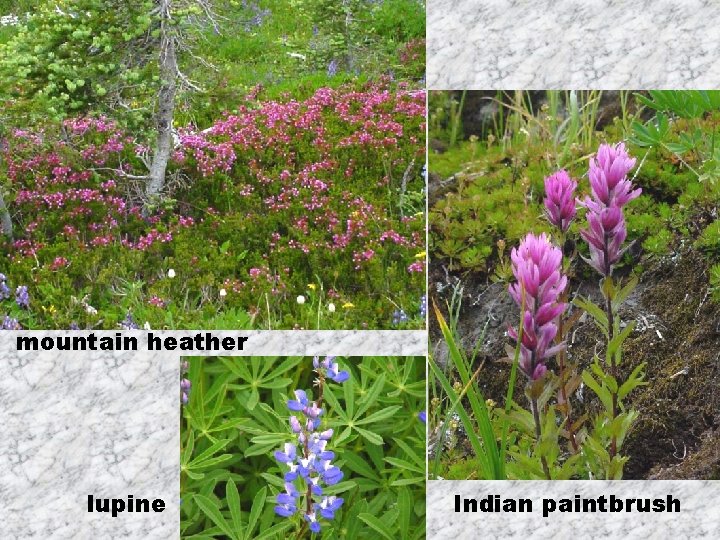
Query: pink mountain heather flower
(536,264)
(560,199)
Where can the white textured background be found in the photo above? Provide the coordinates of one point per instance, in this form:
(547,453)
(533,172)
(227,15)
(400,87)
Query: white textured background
(565,44)
(87,423)
(699,515)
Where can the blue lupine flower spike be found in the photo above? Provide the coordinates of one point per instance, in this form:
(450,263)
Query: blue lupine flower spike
(308,460)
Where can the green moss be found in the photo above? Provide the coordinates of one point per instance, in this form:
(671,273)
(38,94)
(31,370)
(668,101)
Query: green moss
(709,240)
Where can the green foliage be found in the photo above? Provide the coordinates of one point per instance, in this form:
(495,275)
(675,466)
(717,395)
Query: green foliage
(658,244)
(486,425)
(709,240)
(480,429)
(360,36)
(602,446)
(101,55)
(652,133)
(466,225)
(691,139)
(72,55)
(683,103)
(17,7)
(399,20)
(715,282)
(237,417)
(503,176)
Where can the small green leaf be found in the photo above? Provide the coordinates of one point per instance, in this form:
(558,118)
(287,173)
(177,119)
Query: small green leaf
(625,290)
(212,462)
(211,510)
(370,398)
(608,287)
(255,511)
(634,380)
(259,449)
(210,451)
(377,416)
(276,531)
(613,348)
(405,507)
(233,502)
(252,399)
(373,438)
(601,392)
(595,311)
(605,378)
(189,447)
(343,435)
(377,525)
(404,464)
(271,438)
(360,466)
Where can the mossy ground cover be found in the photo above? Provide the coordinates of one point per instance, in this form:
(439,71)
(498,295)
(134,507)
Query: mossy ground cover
(490,194)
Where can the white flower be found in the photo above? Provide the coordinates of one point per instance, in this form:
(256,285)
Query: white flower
(223,293)
(331,307)
(171,273)
(301,299)
(146,326)
(91,310)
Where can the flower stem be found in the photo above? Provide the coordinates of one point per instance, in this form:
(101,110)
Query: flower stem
(563,391)
(611,332)
(538,434)
(302,530)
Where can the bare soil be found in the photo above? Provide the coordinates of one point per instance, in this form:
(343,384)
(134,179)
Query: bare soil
(677,435)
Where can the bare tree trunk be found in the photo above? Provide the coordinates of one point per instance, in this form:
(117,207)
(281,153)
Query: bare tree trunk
(5,222)
(348,38)
(166,102)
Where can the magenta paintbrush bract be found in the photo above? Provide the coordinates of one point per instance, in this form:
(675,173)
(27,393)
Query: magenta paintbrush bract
(536,265)
(611,190)
(560,199)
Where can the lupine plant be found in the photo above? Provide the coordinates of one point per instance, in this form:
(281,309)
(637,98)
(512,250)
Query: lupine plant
(275,448)
(185,384)
(14,306)
(311,465)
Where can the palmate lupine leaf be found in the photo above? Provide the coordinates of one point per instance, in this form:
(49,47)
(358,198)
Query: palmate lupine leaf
(257,507)
(210,509)
(233,500)
(353,419)
(686,103)
(378,526)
